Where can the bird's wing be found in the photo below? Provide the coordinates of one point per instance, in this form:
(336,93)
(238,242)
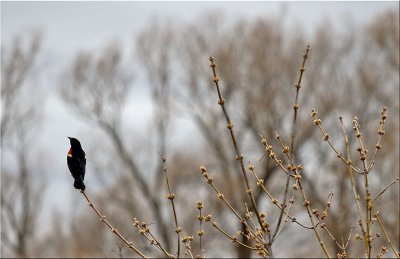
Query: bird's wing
(74,166)
(82,162)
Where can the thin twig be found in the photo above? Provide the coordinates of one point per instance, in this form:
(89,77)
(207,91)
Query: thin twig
(242,220)
(323,216)
(332,237)
(144,230)
(272,155)
(113,230)
(285,150)
(239,155)
(348,239)
(232,238)
(188,249)
(381,132)
(291,202)
(307,205)
(249,215)
(160,246)
(260,182)
(368,205)
(296,106)
(376,213)
(171,197)
(384,190)
(318,122)
(200,233)
(353,186)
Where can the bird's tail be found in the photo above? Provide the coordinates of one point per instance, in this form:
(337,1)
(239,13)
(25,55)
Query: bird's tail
(78,183)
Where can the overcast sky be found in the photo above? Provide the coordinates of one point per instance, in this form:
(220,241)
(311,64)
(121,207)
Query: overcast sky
(72,26)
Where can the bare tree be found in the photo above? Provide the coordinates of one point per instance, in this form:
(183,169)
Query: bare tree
(22,184)
(154,51)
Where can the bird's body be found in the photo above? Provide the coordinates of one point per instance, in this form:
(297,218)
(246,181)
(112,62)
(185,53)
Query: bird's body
(76,160)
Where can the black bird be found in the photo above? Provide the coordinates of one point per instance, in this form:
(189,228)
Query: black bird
(76,160)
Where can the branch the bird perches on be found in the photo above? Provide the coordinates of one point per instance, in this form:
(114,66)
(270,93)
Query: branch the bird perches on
(114,230)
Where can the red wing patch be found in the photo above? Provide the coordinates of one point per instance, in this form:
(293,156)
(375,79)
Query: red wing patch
(70,152)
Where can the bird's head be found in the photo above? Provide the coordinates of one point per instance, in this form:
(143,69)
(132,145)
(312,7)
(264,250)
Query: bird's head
(75,143)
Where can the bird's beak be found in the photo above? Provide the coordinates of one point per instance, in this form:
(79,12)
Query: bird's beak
(69,138)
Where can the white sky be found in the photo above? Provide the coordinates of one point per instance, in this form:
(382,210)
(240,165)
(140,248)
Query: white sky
(72,26)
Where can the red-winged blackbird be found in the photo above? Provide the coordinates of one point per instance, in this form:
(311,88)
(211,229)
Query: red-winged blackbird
(76,160)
